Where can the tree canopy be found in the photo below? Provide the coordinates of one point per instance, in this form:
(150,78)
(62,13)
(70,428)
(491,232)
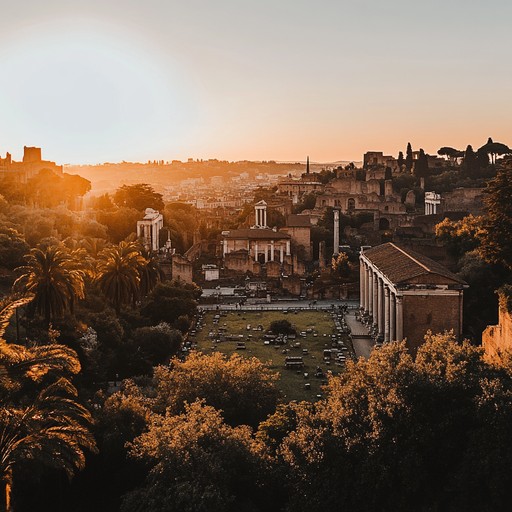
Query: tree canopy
(139,197)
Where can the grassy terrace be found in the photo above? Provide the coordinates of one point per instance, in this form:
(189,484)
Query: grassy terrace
(318,325)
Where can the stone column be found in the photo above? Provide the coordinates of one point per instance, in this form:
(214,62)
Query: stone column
(392,317)
(380,306)
(288,248)
(361,283)
(386,313)
(375,299)
(272,250)
(365,288)
(336,243)
(370,291)
(266,253)
(399,318)
(265,217)
(255,251)
(281,253)
(224,247)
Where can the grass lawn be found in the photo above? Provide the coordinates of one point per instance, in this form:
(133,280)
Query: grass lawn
(318,325)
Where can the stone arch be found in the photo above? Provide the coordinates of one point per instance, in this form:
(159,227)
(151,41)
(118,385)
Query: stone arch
(383,224)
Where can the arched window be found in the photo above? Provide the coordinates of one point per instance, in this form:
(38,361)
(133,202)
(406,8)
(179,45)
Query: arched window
(351,204)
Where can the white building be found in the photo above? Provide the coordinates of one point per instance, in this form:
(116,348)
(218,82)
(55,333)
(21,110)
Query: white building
(149,228)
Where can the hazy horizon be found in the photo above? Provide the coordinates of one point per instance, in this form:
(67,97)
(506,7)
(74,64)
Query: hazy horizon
(242,80)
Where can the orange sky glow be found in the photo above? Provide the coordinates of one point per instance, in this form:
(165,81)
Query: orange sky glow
(136,81)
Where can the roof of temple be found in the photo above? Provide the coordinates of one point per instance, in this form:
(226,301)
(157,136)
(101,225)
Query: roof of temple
(257,234)
(400,265)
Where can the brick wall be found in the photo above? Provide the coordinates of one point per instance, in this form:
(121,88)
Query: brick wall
(430,312)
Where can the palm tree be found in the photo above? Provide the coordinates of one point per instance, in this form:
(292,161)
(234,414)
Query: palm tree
(54,277)
(150,274)
(52,427)
(118,274)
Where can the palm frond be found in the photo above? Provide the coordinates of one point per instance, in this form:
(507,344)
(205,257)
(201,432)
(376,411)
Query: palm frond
(7,308)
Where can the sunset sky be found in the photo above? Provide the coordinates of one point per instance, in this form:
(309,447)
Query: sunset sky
(96,81)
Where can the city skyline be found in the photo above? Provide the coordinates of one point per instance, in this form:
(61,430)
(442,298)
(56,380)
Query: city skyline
(92,83)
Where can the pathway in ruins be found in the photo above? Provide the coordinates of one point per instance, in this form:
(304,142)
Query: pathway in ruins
(361,339)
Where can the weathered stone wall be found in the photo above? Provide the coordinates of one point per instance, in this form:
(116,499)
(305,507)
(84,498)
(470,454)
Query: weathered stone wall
(463,200)
(497,339)
(181,269)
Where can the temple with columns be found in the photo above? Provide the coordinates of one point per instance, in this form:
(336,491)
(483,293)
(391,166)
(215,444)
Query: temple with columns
(262,243)
(405,294)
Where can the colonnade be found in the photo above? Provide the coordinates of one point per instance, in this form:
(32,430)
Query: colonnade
(381,302)
(149,232)
(432,201)
(269,250)
(430,208)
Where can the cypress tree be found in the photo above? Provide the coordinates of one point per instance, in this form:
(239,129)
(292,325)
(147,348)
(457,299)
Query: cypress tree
(421,165)
(400,160)
(470,162)
(408,158)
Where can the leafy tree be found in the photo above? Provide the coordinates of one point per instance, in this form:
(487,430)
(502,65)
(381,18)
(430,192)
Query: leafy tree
(103,202)
(494,149)
(340,265)
(12,248)
(408,158)
(402,426)
(282,327)
(120,223)
(243,388)
(460,236)
(480,300)
(169,300)
(155,344)
(452,153)
(55,278)
(182,220)
(48,189)
(497,239)
(308,202)
(139,197)
(197,463)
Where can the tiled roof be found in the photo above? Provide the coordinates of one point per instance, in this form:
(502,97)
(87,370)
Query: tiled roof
(257,234)
(298,221)
(400,265)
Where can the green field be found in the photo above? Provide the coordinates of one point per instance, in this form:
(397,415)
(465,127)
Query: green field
(318,325)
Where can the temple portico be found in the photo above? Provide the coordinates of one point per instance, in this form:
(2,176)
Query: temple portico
(403,294)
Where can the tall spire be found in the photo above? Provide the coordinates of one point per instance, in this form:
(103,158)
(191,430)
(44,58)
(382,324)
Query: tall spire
(307,165)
